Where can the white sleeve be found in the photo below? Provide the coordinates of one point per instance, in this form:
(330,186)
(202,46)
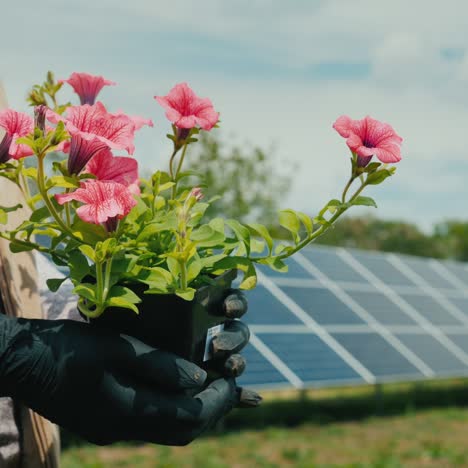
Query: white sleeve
(58,305)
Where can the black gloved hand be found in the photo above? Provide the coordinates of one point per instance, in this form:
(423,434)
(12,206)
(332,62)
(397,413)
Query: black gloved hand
(106,386)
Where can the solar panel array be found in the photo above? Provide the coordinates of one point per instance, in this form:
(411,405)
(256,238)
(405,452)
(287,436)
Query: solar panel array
(344,316)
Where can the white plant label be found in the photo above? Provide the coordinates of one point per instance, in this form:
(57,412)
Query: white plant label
(210,334)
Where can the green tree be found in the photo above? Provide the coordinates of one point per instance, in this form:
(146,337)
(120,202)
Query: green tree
(453,236)
(388,236)
(249,186)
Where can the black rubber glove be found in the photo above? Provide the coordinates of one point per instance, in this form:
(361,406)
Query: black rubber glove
(106,386)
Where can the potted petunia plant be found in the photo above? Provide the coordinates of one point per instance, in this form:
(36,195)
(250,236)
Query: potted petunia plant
(141,254)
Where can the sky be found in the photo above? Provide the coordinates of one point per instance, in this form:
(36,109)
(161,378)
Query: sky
(280,73)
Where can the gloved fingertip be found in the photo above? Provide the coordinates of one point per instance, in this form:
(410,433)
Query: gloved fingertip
(234,365)
(248,398)
(235,305)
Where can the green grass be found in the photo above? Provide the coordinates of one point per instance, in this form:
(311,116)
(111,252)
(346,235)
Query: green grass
(424,425)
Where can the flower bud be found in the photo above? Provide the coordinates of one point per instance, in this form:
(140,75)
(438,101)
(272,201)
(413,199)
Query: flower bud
(40,117)
(197,193)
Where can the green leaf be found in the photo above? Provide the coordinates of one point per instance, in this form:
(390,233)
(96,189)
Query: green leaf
(30,172)
(282,248)
(275,264)
(186,294)
(249,281)
(40,214)
(86,290)
(78,265)
(156,278)
(65,182)
(16,247)
(306,221)
(206,236)
(217,224)
(159,202)
(365,201)
(54,283)
(241,232)
(208,262)
(372,167)
(173,266)
(122,303)
(88,251)
(290,221)
(151,229)
(256,246)
(9,209)
(166,186)
(88,232)
(378,177)
(193,269)
(263,232)
(122,293)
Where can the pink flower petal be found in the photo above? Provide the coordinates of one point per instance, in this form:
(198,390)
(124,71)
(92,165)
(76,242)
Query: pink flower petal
(93,129)
(102,200)
(369,137)
(87,86)
(105,166)
(186,110)
(16,125)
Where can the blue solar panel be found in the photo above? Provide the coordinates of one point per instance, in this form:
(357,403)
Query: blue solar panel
(382,268)
(381,308)
(377,355)
(461,340)
(431,310)
(461,303)
(259,370)
(458,270)
(434,354)
(309,357)
(322,305)
(332,266)
(430,276)
(265,309)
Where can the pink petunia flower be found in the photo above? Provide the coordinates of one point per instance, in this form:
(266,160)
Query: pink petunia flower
(105,166)
(186,110)
(87,86)
(93,129)
(16,125)
(369,137)
(104,201)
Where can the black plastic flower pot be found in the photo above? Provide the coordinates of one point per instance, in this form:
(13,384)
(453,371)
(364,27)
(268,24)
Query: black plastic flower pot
(168,322)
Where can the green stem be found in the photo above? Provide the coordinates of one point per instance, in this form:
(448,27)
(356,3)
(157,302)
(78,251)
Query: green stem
(179,167)
(181,160)
(84,309)
(345,191)
(33,246)
(107,274)
(67,210)
(321,230)
(171,162)
(99,284)
(48,203)
(183,275)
